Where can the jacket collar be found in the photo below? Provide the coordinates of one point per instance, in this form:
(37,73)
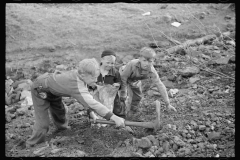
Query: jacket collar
(138,65)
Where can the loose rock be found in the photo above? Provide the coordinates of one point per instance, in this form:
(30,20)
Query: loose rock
(232,59)
(194,79)
(189,71)
(202,127)
(144,143)
(154,141)
(214,135)
(166,146)
(61,67)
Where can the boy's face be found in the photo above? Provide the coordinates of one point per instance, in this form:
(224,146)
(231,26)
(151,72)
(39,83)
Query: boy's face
(90,79)
(146,63)
(108,62)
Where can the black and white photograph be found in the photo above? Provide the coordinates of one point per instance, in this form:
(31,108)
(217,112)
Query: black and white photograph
(119,79)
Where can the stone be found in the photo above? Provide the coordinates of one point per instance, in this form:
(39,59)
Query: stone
(21,111)
(201,145)
(232,59)
(192,132)
(154,141)
(178,141)
(214,135)
(135,142)
(166,146)
(171,142)
(25,86)
(195,86)
(168,84)
(212,146)
(193,79)
(174,127)
(61,67)
(144,143)
(172,92)
(185,131)
(193,123)
(207,129)
(202,127)
(198,139)
(189,135)
(231,43)
(153,149)
(187,127)
(175,147)
(227,17)
(216,52)
(170,154)
(148,154)
(169,126)
(223,60)
(185,150)
(189,71)
(215,47)
(140,151)
(212,128)
(208,123)
(159,151)
(162,137)
(24,94)
(206,57)
(184,135)
(190,141)
(215,119)
(163,155)
(214,124)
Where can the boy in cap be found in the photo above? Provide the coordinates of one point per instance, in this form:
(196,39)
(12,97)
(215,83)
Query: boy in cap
(48,89)
(131,76)
(110,75)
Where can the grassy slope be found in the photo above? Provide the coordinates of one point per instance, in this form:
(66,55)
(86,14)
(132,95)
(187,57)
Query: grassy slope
(89,29)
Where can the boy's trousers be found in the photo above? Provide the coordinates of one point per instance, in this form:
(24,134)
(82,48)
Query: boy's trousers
(44,101)
(134,92)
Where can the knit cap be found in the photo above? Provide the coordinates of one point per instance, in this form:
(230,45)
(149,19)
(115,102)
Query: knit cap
(108,53)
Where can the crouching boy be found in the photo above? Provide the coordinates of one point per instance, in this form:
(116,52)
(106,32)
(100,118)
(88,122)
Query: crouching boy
(48,89)
(131,76)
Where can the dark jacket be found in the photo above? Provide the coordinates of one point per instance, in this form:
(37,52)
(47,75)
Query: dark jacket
(113,76)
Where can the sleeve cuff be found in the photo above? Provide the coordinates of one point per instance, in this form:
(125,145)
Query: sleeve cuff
(108,116)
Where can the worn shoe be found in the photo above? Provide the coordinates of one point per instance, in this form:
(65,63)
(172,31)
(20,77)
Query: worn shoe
(134,116)
(61,129)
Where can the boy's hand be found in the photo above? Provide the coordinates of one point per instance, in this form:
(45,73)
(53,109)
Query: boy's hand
(170,107)
(123,99)
(118,121)
(93,116)
(116,84)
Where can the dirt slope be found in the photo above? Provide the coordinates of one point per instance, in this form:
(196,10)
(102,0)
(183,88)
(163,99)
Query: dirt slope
(87,29)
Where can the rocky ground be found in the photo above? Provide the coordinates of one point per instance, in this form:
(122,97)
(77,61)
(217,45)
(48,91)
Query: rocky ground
(200,80)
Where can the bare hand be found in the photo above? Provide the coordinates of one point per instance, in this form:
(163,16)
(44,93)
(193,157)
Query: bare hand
(120,122)
(116,84)
(93,116)
(170,107)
